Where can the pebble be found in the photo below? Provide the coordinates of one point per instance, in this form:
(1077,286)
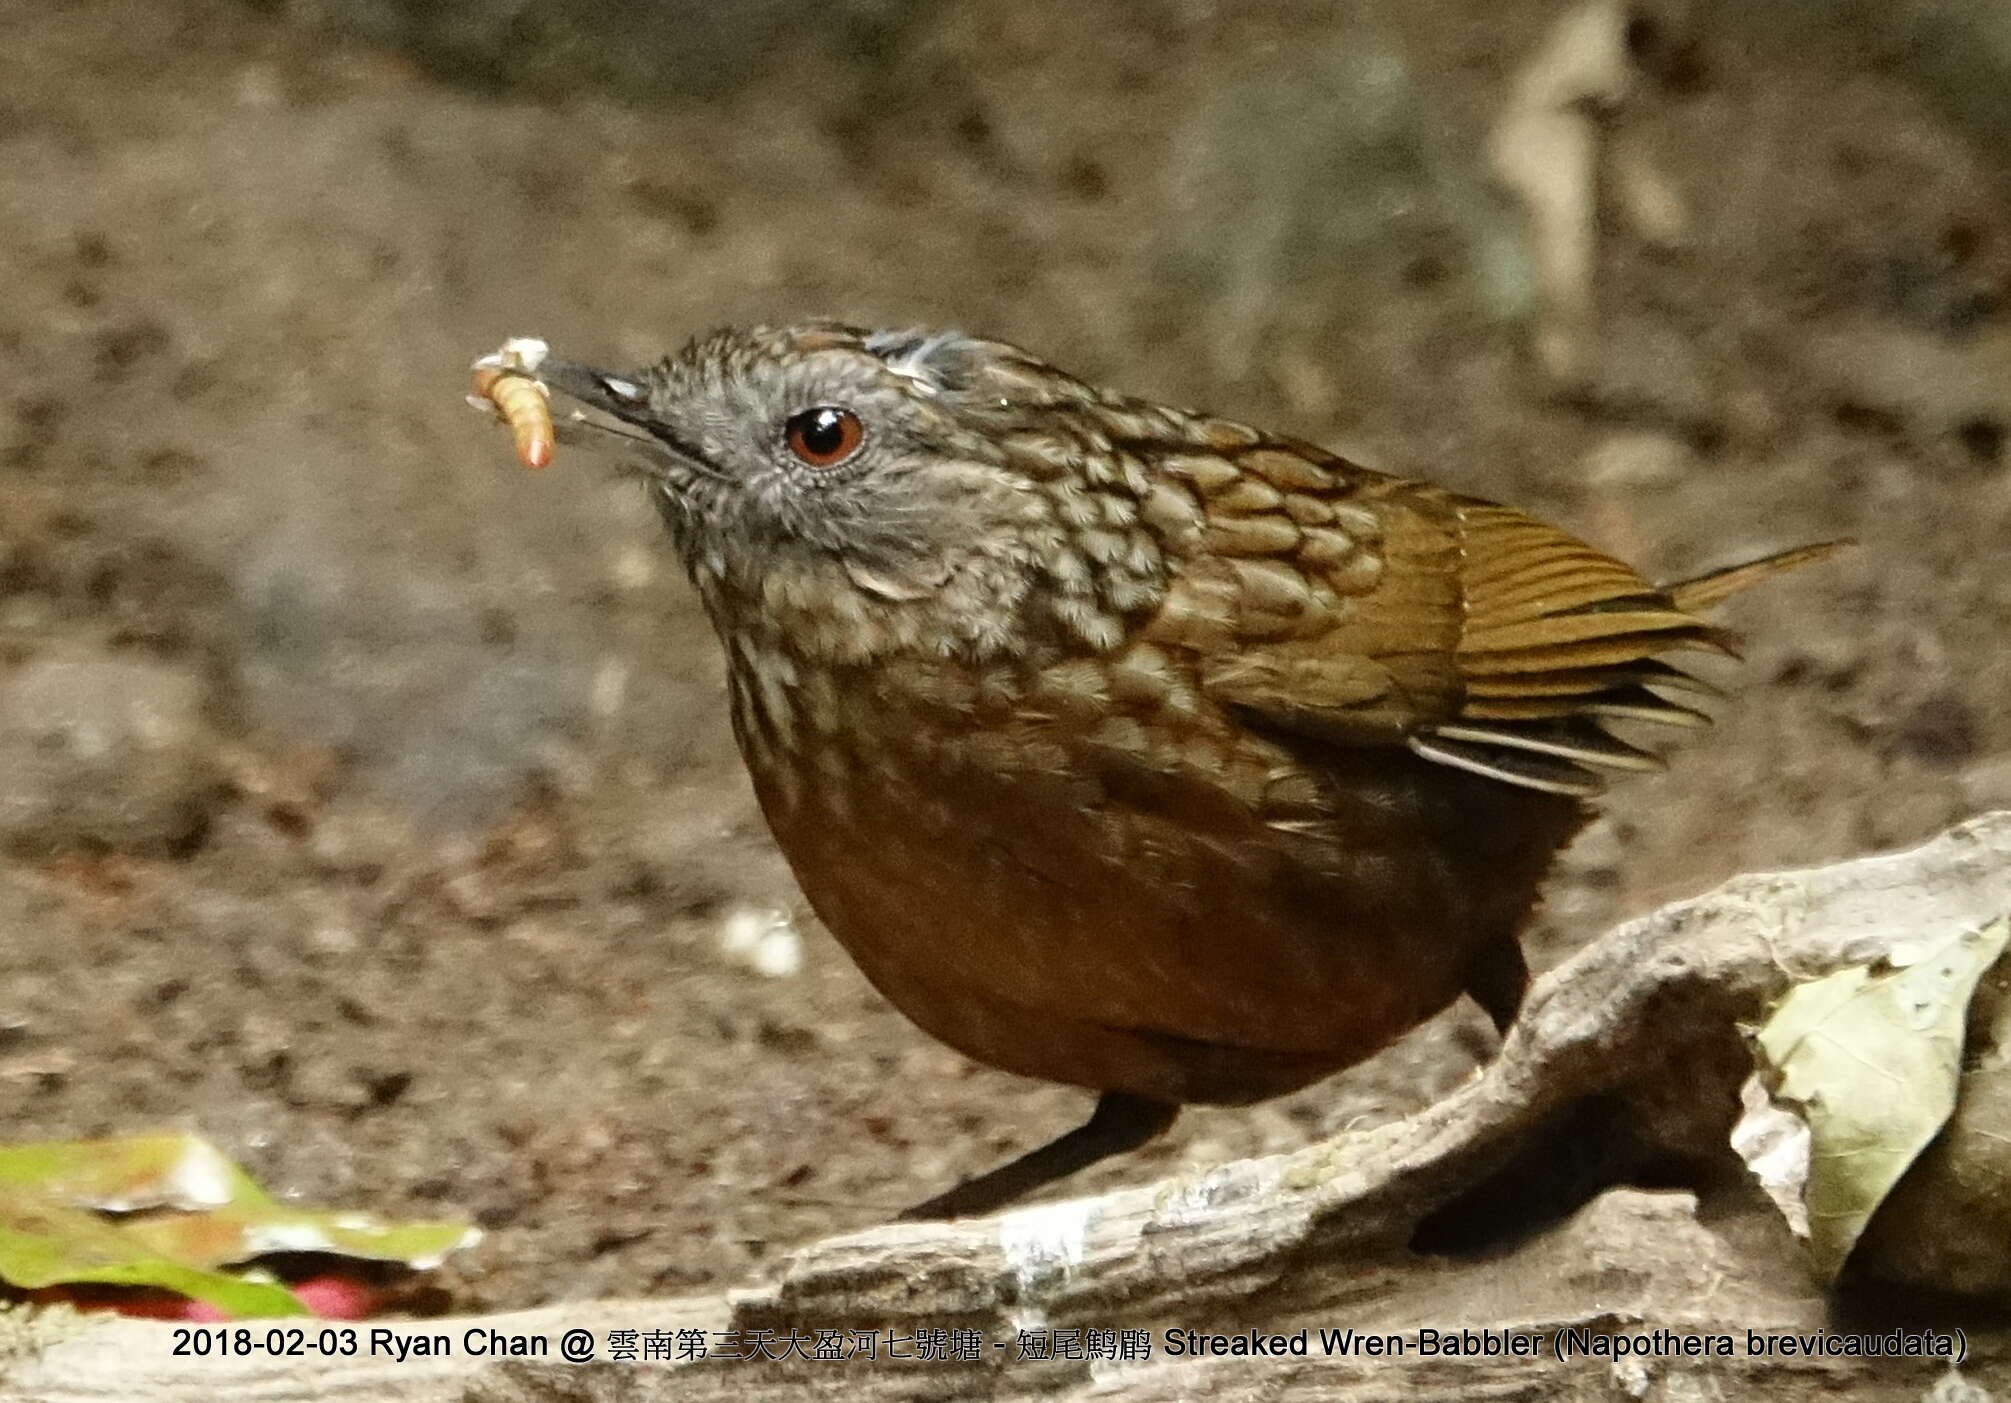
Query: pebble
(1635,458)
(762,940)
(103,753)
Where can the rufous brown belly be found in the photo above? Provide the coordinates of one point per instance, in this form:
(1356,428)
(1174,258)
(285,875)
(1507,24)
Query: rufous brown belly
(1149,932)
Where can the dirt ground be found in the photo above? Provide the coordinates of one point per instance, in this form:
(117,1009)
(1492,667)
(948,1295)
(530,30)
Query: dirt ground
(392,830)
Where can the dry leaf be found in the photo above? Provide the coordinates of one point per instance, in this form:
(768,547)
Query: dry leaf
(1870,1059)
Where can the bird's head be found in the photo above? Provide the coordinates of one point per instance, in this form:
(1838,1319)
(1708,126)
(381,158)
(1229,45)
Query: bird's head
(931,473)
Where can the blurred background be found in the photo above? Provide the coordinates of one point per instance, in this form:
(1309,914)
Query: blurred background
(368,803)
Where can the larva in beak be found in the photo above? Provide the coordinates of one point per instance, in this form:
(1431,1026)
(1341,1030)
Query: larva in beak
(506,383)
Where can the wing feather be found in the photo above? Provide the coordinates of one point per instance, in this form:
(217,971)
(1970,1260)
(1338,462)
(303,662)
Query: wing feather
(1559,639)
(1473,633)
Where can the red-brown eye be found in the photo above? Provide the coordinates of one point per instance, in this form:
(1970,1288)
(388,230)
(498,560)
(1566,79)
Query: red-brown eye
(824,437)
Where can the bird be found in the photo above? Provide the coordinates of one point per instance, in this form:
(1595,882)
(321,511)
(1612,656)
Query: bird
(1131,747)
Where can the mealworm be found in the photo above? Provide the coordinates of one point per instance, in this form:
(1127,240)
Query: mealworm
(507,383)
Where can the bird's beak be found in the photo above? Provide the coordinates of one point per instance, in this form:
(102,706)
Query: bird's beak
(615,413)
(618,395)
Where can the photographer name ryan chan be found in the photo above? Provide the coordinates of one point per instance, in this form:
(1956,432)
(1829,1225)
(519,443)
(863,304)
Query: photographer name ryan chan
(1571,1342)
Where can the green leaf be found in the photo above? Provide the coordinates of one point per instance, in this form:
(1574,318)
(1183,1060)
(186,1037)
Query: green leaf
(44,1242)
(133,1172)
(238,1232)
(1872,1058)
(192,1210)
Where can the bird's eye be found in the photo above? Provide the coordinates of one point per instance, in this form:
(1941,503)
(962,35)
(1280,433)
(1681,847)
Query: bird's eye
(824,437)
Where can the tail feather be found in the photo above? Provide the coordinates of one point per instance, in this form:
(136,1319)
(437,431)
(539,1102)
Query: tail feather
(1715,587)
(1559,639)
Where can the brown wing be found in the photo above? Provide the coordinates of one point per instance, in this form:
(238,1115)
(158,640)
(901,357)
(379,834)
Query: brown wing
(1311,594)
(1364,609)
(1558,639)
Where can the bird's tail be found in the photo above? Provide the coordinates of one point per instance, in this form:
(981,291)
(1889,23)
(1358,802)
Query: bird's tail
(1559,640)
(1715,587)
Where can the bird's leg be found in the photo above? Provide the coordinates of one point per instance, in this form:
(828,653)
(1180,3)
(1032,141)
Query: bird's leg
(1120,1123)
(1497,980)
